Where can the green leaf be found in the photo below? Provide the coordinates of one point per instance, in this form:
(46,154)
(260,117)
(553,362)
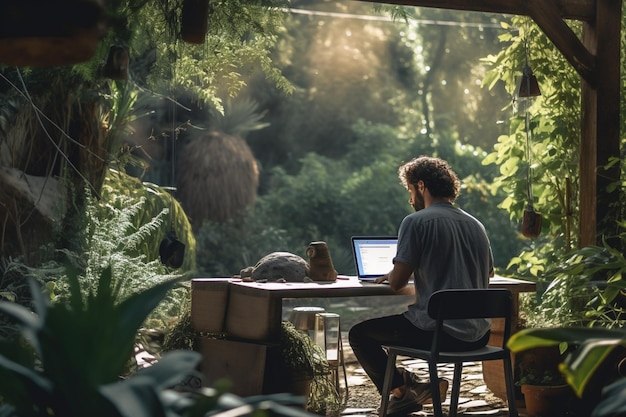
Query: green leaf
(135,397)
(593,345)
(20,385)
(610,406)
(173,367)
(581,364)
(29,322)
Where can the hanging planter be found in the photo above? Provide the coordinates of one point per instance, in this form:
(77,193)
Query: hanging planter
(194,21)
(42,33)
(172,251)
(531,223)
(528,88)
(116,67)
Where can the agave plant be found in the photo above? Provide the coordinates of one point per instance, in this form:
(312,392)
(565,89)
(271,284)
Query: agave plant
(70,357)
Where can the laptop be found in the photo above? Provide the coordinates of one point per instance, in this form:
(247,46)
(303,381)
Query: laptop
(373,255)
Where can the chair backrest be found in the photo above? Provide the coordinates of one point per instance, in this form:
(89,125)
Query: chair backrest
(472,304)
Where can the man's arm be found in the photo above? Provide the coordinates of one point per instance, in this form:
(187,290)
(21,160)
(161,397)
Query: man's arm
(398,277)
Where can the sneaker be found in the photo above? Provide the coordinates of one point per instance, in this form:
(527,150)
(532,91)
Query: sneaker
(423,392)
(410,379)
(402,406)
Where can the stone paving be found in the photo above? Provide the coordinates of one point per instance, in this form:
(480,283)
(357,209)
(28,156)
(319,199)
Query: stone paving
(363,400)
(475,399)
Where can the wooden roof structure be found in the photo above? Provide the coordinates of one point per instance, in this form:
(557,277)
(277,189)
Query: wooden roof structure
(596,58)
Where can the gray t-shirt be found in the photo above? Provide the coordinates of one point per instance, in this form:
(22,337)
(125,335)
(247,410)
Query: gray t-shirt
(447,248)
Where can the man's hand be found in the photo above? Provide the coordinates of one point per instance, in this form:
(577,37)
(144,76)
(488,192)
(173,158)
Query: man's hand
(382,279)
(399,276)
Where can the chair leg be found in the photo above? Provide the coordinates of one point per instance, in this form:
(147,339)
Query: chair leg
(434,388)
(456,389)
(343,367)
(510,387)
(384,402)
(345,380)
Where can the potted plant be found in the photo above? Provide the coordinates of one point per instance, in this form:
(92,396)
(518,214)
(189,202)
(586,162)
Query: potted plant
(589,300)
(308,370)
(592,366)
(546,393)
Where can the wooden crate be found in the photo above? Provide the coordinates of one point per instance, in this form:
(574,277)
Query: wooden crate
(241,363)
(250,368)
(209,301)
(253,315)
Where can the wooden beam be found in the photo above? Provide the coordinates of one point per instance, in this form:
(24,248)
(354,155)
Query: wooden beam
(568,9)
(600,140)
(587,166)
(547,16)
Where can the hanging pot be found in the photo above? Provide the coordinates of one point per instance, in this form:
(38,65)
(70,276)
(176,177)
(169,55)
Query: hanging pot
(116,67)
(531,223)
(172,251)
(41,33)
(194,21)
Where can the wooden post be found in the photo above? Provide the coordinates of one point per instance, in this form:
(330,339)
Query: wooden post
(600,120)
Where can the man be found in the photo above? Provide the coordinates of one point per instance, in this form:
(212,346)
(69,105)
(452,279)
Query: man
(441,247)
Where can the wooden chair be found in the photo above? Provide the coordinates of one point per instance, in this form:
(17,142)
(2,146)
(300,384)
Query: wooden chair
(459,304)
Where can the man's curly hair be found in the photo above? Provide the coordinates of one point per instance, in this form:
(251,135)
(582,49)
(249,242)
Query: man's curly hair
(436,174)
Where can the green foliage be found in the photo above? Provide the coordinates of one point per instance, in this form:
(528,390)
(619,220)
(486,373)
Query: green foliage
(593,346)
(79,348)
(545,378)
(307,359)
(553,157)
(324,201)
(156,209)
(448,101)
(241,34)
(417,74)
(123,230)
(553,133)
(239,118)
(121,233)
(72,356)
(587,288)
(224,249)
(332,200)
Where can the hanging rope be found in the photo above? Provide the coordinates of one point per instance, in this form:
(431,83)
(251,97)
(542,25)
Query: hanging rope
(172,250)
(531,222)
(529,170)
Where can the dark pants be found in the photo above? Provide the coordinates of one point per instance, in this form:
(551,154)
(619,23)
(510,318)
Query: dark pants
(366,339)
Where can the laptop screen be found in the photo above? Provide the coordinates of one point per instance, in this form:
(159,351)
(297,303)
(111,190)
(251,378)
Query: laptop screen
(373,255)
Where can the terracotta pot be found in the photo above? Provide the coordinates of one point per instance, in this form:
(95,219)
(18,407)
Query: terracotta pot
(300,386)
(546,401)
(539,360)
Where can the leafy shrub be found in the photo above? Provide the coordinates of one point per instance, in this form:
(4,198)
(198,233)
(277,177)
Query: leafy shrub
(73,355)
(332,200)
